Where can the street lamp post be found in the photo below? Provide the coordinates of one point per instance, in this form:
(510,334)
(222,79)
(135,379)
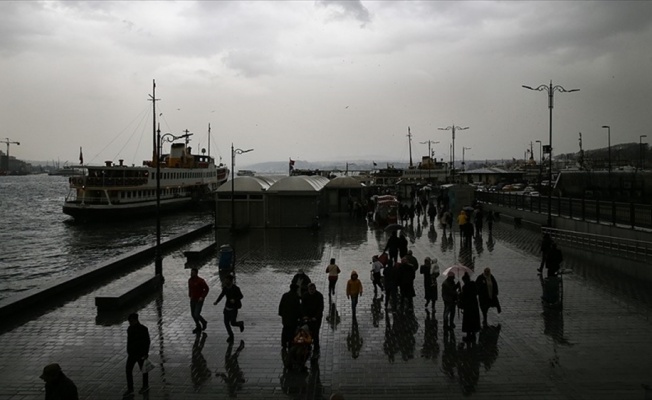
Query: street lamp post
(640,151)
(551,95)
(463,163)
(453,128)
(540,163)
(233,153)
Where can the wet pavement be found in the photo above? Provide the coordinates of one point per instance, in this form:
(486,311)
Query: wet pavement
(597,347)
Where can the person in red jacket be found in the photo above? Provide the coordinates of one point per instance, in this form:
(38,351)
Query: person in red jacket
(197,290)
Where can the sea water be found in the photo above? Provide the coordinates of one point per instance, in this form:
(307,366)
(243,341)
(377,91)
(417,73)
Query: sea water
(39,243)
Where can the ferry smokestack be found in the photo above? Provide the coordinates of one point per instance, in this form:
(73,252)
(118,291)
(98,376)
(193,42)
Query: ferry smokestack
(121,161)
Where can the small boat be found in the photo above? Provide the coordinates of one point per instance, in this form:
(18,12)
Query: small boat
(119,191)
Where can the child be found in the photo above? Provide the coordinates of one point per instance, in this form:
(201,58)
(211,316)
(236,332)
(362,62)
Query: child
(353,290)
(333,271)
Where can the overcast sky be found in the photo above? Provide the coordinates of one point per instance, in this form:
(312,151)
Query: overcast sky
(321,80)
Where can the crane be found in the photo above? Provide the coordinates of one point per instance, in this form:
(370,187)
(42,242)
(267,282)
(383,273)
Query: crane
(8,142)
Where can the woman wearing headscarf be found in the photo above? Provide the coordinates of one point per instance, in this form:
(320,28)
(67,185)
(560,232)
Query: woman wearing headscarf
(430,272)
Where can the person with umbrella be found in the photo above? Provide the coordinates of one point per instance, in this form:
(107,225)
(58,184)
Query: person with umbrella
(406,279)
(391,274)
(487,293)
(469,305)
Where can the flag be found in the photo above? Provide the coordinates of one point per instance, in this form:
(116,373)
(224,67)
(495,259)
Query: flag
(81,156)
(374,163)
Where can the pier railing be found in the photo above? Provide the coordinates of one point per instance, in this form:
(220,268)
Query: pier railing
(625,248)
(633,215)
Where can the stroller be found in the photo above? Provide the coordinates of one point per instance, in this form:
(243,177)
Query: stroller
(300,349)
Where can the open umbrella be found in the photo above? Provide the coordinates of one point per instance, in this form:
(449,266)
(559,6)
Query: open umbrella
(458,270)
(393,227)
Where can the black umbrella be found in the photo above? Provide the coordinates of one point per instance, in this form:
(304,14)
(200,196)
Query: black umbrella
(393,227)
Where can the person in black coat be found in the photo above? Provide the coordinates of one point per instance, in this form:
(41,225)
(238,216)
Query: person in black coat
(392,245)
(469,303)
(546,244)
(137,351)
(57,384)
(406,279)
(312,307)
(301,280)
(289,309)
(391,274)
(403,246)
(553,260)
(487,293)
(231,306)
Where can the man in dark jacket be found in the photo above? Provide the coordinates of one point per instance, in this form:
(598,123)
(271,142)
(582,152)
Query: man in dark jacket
(312,306)
(231,306)
(57,385)
(553,260)
(302,281)
(449,294)
(289,309)
(137,351)
(487,293)
(392,245)
(392,277)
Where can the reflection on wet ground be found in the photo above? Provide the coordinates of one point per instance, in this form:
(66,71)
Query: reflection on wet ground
(596,346)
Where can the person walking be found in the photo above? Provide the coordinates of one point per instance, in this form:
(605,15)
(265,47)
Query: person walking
(302,281)
(462,220)
(449,294)
(376,270)
(402,245)
(478,219)
(57,385)
(391,274)
(333,272)
(137,351)
(289,309)
(430,272)
(312,307)
(546,244)
(553,260)
(231,306)
(432,213)
(406,278)
(392,246)
(353,290)
(469,305)
(197,291)
(487,293)
(490,221)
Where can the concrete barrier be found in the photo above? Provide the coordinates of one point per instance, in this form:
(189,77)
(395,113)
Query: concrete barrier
(73,285)
(127,295)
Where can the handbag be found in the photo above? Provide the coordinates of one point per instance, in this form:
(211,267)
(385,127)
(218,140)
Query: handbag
(147,366)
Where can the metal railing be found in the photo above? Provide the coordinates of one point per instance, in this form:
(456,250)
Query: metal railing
(631,215)
(626,248)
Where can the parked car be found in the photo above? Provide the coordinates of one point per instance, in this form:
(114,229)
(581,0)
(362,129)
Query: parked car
(533,194)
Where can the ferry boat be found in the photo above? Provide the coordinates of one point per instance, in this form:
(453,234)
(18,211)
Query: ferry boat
(118,191)
(113,191)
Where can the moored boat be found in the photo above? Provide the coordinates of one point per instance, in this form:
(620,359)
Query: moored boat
(113,191)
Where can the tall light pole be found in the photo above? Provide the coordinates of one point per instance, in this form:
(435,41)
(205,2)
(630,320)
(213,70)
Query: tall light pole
(540,162)
(463,151)
(168,137)
(233,153)
(453,128)
(640,151)
(551,95)
(608,128)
